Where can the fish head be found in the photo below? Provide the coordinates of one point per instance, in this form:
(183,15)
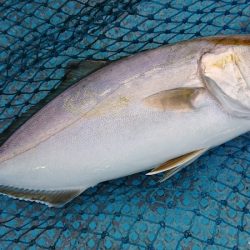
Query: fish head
(225,71)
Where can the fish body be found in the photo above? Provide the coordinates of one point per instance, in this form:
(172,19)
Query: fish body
(131,115)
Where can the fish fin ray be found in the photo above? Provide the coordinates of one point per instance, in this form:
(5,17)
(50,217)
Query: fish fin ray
(171,172)
(181,161)
(52,198)
(179,99)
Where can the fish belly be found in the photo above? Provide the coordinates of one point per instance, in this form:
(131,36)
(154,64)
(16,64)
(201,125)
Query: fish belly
(108,147)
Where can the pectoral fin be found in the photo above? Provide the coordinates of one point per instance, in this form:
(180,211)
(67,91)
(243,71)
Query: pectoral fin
(53,198)
(179,162)
(180,99)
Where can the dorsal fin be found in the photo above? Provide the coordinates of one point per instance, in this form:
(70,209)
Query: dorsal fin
(74,72)
(180,161)
(77,70)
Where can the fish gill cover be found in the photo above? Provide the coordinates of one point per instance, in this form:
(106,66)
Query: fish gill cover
(205,206)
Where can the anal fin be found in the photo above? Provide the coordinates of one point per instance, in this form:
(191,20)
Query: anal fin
(181,161)
(171,172)
(53,198)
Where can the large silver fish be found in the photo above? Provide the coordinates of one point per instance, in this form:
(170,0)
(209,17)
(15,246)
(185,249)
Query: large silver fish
(159,109)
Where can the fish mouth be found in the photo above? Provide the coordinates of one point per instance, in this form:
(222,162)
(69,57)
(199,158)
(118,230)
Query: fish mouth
(225,71)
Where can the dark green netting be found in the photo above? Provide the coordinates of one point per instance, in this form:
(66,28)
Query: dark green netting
(205,209)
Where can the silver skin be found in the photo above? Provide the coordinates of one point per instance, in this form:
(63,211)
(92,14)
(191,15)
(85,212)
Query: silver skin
(104,127)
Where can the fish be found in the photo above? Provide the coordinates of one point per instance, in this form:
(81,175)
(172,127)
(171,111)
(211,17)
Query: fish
(157,111)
